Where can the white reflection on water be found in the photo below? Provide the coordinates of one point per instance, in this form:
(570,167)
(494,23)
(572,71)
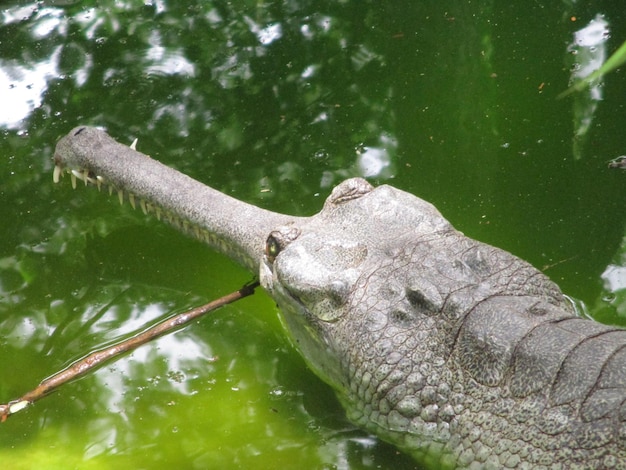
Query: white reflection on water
(167,61)
(265,34)
(178,350)
(22,88)
(377,161)
(614,277)
(589,51)
(24,82)
(156,369)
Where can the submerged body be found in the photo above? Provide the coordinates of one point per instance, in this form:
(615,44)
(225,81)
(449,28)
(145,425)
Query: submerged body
(455,351)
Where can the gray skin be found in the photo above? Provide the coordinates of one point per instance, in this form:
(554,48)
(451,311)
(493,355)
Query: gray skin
(456,352)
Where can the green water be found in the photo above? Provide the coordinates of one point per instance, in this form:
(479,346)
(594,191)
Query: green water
(273,103)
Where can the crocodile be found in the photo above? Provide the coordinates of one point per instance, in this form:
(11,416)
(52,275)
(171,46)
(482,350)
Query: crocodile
(455,351)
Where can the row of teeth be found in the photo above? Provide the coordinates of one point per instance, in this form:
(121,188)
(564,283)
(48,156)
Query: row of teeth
(146,207)
(99,181)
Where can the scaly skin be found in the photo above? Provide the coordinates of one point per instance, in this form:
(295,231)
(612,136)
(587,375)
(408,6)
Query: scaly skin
(457,352)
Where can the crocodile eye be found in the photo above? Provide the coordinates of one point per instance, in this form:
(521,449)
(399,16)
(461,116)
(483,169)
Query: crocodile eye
(278,240)
(272,248)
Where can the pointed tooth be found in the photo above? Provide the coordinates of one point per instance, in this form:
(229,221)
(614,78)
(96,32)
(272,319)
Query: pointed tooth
(110,189)
(142,204)
(134,145)
(75,174)
(158,213)
(85,177)
(56,174)
(120,196)
(131,199)
(99,183)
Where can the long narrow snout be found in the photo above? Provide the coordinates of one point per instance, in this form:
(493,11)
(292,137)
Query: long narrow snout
(234,228)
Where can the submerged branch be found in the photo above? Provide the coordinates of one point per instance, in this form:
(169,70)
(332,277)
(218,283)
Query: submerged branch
(97,358)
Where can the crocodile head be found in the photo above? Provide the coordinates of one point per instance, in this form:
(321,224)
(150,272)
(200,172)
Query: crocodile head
(376,291)
(344,272)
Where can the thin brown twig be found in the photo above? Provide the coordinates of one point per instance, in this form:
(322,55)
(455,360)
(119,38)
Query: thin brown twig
(97,358)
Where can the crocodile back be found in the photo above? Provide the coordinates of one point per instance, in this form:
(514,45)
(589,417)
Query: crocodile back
(479,360)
